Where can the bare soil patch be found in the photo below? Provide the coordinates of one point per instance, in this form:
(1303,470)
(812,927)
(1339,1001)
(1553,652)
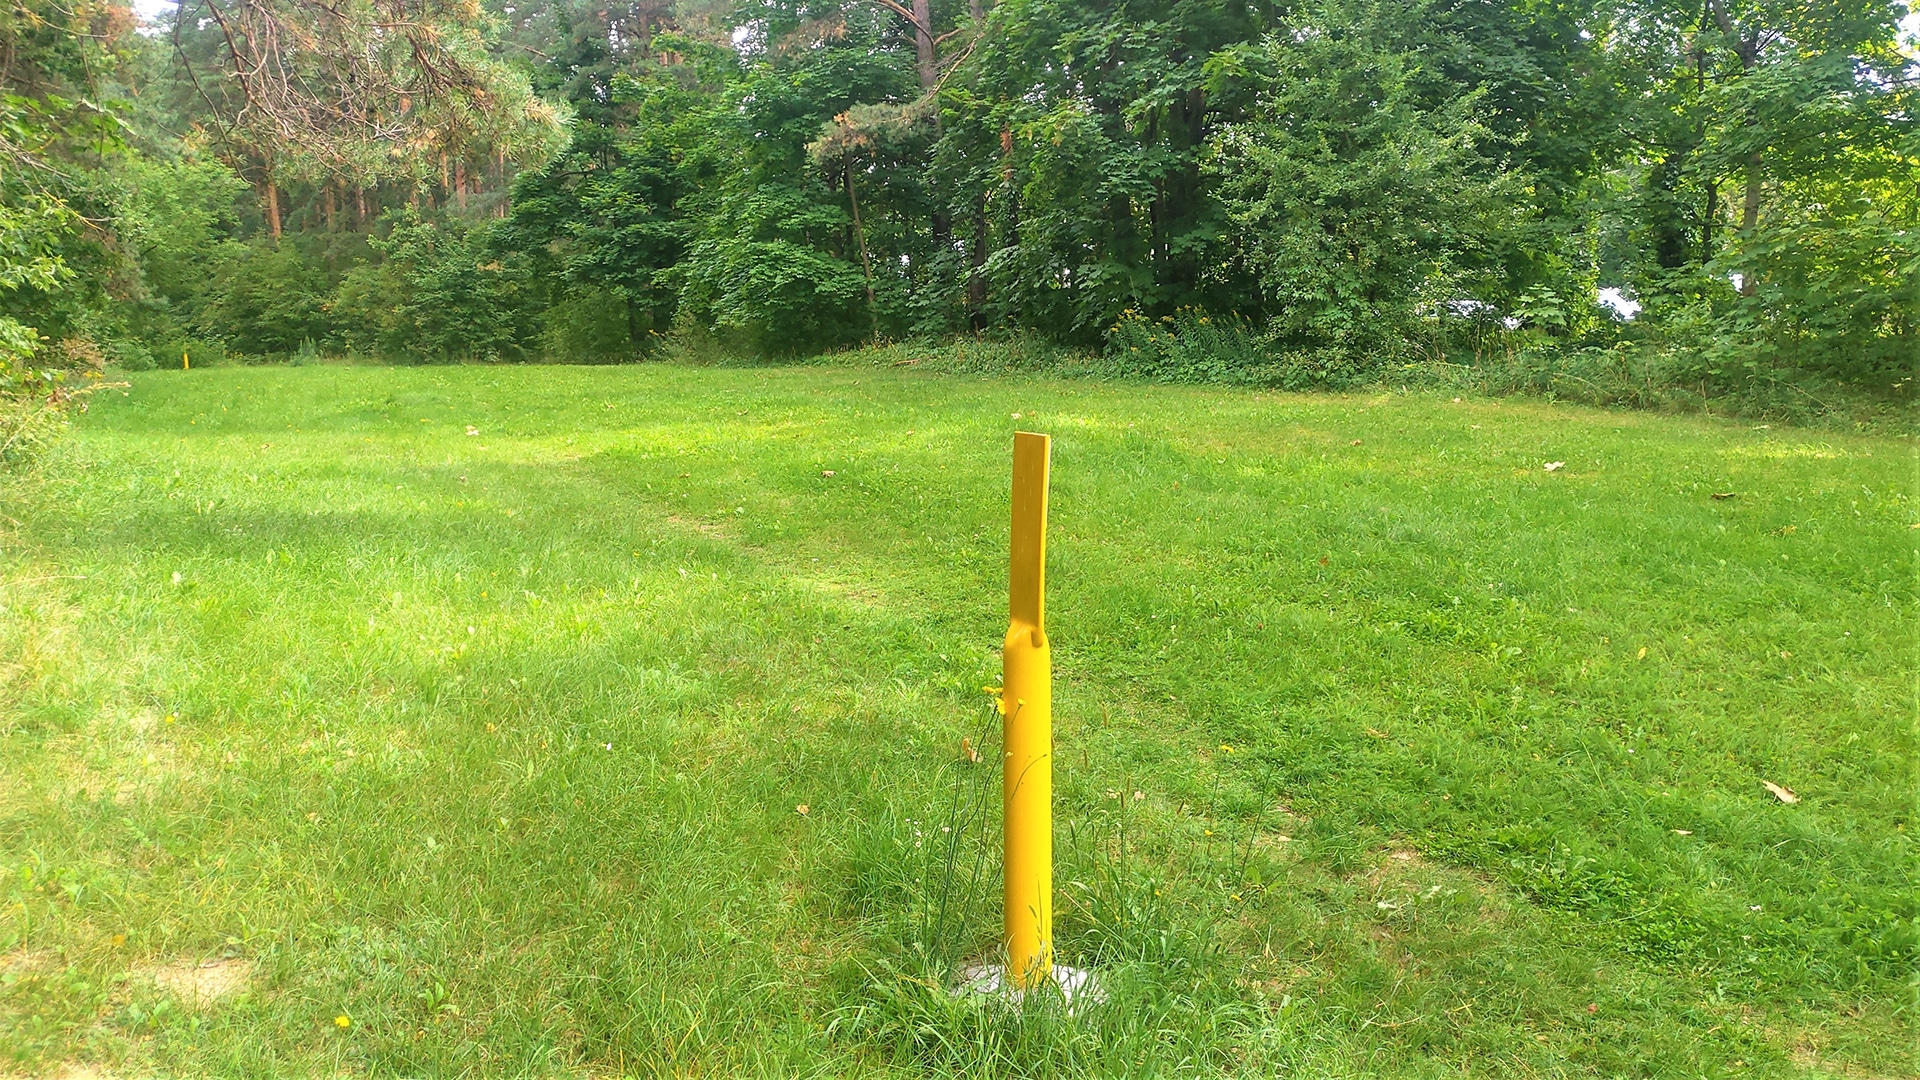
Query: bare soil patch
(200,984)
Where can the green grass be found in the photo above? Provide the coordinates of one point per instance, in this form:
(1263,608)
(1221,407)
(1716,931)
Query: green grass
(1382,751)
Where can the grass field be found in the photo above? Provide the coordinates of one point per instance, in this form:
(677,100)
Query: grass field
(609,722)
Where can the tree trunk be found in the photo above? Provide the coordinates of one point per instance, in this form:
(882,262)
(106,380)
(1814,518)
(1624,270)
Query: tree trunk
(506,196)
(1179,195)
(866,264)
(940,224)
(273,208)
(1707,222)
(460,182)
(1747,49)
(326,203)
(923,43)
(1750,206)
(1750,216)
(976,277)
(1011,236)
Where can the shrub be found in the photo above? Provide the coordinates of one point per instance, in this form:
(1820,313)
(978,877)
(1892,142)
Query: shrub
(265,298)
(588,324)
(1191,345)
(438,295)
(172,351)
(39,386)
(1358,192)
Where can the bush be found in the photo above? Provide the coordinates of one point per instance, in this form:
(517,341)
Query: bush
(174,352)
(1834,295)
(438,295)
(1669,377)
(174,217)
(763,287)
(587,324)
(39,386)
(1194,346)
(265,298)
(1358,188)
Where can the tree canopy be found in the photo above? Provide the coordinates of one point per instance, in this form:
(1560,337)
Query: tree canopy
(1321,187)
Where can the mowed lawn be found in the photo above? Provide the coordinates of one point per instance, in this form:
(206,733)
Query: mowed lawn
(596,722)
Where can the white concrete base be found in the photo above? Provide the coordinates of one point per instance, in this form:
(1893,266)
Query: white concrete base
(1076,986)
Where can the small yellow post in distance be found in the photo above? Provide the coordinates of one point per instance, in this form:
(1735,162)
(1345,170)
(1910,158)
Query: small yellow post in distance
(1027,709)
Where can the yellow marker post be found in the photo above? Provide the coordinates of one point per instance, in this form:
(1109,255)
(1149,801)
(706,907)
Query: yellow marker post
(1027,707)
(183,361)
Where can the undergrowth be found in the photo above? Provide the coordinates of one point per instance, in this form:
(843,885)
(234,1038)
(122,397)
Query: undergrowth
(1206,351)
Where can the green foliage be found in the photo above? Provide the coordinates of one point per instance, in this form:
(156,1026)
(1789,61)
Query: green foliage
(30,244)
(441,293)
(1357,185)
(39,386)
(1314,194)
(589,325)
(1837,293)
(263,298)
(777,296)
(775,265)
(176,215)
(306,90)
(1194,347)
(33,381)
(603,220)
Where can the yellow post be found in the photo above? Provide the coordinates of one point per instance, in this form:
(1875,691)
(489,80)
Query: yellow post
(183,360)
(1027,706)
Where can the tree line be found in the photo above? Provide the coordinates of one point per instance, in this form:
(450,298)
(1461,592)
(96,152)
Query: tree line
(1313,190)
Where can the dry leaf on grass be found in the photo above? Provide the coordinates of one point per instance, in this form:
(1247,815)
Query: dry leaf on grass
(1785,795)
(1726,494)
